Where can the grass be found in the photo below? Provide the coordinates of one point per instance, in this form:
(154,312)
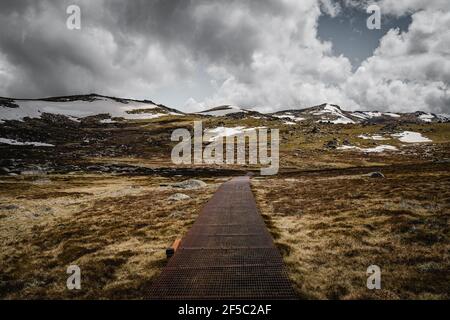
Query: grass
(331,228)
(330,225)
(115,229)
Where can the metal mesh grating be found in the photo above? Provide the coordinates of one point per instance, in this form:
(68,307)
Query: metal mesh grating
(193,258)
(227,241)
(227,254)
(223,229)
(262,282)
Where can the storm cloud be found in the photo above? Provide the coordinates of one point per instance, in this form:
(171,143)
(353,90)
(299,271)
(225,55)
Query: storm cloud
(199,53)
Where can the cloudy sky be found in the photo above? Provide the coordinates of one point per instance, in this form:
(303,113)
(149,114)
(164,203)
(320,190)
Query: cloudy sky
(265,54)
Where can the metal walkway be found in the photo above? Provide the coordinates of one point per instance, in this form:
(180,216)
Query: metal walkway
(227,254)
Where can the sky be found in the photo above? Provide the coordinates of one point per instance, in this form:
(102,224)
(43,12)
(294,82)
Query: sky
(267,55)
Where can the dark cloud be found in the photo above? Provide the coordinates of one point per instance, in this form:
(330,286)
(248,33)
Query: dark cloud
(257,52)
(177,27)
(203,27)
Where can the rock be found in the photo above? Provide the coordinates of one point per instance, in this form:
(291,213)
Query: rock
(178,197)
(315,130)
(9,207)
(97,168)
(7,162)
(429,267)
(376,174)
(332,144)
(190,184)
(346,142)
(32,173)
(41,181)
(176,215)
(441,160)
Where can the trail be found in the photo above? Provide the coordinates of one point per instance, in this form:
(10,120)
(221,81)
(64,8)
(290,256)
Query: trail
(227,254)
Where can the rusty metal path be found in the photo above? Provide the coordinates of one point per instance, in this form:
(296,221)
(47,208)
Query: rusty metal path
(227,254)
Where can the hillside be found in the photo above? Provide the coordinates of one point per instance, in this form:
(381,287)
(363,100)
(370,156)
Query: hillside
(88,180)
(65,134)
(82,106)
(334,114)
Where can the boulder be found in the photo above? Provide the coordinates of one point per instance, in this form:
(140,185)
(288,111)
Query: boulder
(376,174)
(9,207)
(32,173)
(315,130)
(332,144)
(190,184)
(178,197)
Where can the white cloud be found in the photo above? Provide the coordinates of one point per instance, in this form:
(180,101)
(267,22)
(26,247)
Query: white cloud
(409,71)
(330,7)
(401,7)
(289,68)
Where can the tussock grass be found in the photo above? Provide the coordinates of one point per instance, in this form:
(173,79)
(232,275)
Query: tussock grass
(330,229)
(114,228)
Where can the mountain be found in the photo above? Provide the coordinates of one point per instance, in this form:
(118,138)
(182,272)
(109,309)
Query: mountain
(111,109)
(334,114)
(82,106)
(233,112)
(96,133)
(221,111)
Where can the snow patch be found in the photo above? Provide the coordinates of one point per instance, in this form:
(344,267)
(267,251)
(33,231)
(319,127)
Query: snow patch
(342,120)
(426,117)
(290,117)
(411,137)
(329,109)
(223,111)
(373,137)
(374,114)
(377,149)
(74,119)
(393,115)
(335,111)
(79,109)
(359,115)
(107,121)
(13,142)
(220,132)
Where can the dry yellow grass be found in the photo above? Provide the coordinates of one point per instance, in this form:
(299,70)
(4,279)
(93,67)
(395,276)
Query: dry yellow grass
(331,228)
(114,228)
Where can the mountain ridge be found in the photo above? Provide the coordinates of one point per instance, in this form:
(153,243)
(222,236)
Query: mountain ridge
(147,109)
